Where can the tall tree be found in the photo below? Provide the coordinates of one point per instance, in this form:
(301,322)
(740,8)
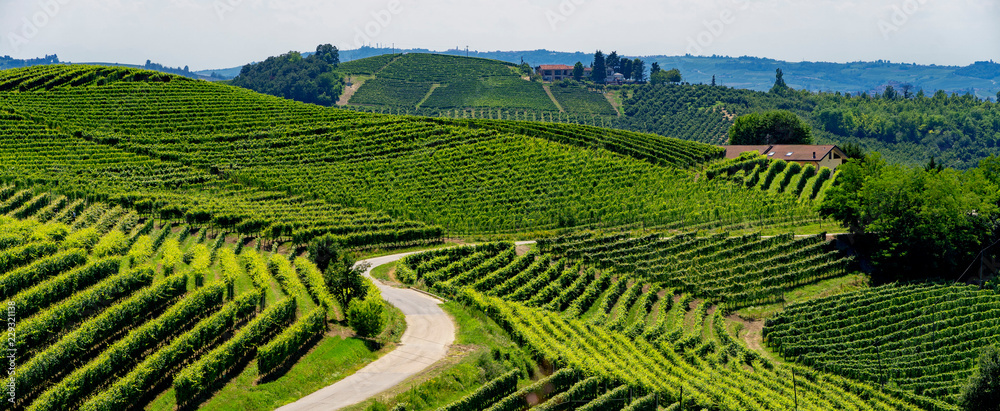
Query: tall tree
(713,80)
(328,53)
(599,73)
(771,127)
(655,68)
(779,82)
(638,70)
(889,93)
(625,68)
(614,62)
(578,71)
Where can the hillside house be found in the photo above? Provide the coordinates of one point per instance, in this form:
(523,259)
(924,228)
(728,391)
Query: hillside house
(829,156)
(554,72)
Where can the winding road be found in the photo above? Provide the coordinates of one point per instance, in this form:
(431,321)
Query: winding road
(429,333)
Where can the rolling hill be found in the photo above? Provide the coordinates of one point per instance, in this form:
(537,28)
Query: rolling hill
(131,202)
(431,84)
(235,159)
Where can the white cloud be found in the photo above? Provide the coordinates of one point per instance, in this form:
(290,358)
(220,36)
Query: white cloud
(224,33)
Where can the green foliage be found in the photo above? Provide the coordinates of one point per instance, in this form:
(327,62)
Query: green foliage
(85,238)
(390,92)
(58,357)
(274,353)
(309,80)
(512,93)
(35,331)
(57,288)
(327,254)
(665,76)
(982,392)
(919,222)
(922,338)
(578,99)
(113,243)
(364,314)
(768,128)
(598,75)
(125,353)
(19,279)
(366,66)
(345,285)
(126,391)
(487,394)
(194,379)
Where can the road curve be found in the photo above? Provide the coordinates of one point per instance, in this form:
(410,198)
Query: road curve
(429,333)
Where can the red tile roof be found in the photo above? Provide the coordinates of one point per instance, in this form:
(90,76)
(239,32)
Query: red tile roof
(786,152)
(800,152)
(555,67)
(735,151)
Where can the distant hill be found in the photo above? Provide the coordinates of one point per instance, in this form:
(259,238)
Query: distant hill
(430,84)
(981,78)
(6,62)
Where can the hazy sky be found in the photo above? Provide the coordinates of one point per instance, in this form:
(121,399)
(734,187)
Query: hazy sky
(225,33)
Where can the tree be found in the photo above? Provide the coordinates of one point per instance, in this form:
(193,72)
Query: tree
(668,76)
(771,127)
(328,53)
(614,62)
(982,391)
(638,70)
(889,93)
(364,315)
(578,71)
(779,82)
(998,96)
(932,166)
(655,68)
(625,68)
(853,150)
(713,80)
(599,73)
(911,222)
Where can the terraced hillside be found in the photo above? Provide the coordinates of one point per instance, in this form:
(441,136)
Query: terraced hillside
(221,155)
(618,338)
(925,338)
(108,308)
(430,84)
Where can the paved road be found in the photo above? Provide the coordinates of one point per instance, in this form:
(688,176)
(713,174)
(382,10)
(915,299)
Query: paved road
(429,333)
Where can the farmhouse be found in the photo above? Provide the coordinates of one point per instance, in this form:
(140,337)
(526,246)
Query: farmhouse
(819,155)
(554,72)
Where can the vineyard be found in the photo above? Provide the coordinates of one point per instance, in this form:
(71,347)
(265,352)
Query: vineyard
(464,83)
(775,176)
(109,307)
(623,339)
(383,178)
(924,338)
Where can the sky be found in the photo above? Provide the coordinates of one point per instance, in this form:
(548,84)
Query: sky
(207,34)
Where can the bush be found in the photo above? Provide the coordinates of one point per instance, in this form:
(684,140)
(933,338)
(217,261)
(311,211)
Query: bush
(364,315)
(982,392)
